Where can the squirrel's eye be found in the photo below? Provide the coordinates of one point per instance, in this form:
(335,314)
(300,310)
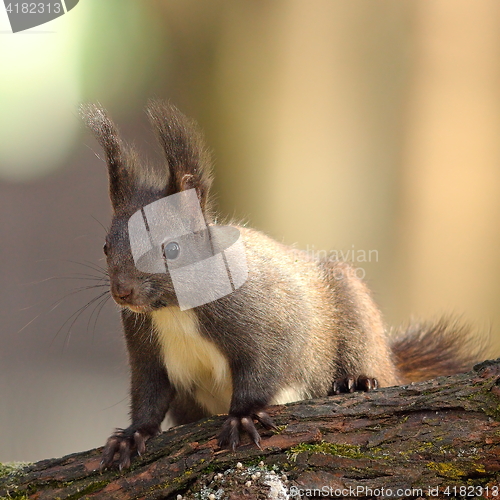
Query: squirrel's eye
(172,250)
(105,249)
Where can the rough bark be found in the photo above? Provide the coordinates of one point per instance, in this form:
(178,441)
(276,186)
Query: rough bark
(430,436)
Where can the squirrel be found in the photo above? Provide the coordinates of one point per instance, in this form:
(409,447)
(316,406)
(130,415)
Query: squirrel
(293,328)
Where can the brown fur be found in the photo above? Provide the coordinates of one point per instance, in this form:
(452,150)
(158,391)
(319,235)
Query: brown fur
(297,328)
(427,350)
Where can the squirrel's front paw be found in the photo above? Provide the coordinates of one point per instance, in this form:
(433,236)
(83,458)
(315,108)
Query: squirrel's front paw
(229,436)
(126,443)
(351,384)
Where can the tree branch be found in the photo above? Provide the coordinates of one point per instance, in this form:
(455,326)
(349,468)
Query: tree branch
(435,434)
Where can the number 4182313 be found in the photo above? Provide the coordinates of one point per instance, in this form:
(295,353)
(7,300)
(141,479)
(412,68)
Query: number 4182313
(34,8)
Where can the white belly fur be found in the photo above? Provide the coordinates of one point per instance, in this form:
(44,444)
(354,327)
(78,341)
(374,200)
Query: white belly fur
(290,395)
(193,363)
(196,365)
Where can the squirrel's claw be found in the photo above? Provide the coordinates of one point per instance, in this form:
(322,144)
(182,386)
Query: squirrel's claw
(351,384)
(366,384)
(126,443)
(229,436)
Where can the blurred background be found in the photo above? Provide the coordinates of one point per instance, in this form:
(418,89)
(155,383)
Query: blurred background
(354,125)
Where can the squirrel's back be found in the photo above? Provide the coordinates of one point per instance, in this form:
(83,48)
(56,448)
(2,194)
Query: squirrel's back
(325,306)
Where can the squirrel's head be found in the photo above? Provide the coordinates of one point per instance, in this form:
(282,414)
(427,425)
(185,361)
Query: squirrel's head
(135,190)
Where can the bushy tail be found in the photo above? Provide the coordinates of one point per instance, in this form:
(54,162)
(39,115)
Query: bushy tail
(427,350)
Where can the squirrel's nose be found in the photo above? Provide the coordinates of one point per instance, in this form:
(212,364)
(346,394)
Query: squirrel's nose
(123,291)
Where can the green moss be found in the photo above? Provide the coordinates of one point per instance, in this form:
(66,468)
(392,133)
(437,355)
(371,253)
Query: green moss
(447,470)
(180,479)
(425,446)
(254,461)
(492,408)
(9,468)
(210,468)
(340,450)
(92,488)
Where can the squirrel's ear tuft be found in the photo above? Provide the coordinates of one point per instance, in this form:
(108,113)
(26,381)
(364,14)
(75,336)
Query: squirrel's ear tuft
(188,160)
(119,158)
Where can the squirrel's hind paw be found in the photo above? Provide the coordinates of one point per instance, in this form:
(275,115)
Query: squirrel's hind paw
(351,384)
